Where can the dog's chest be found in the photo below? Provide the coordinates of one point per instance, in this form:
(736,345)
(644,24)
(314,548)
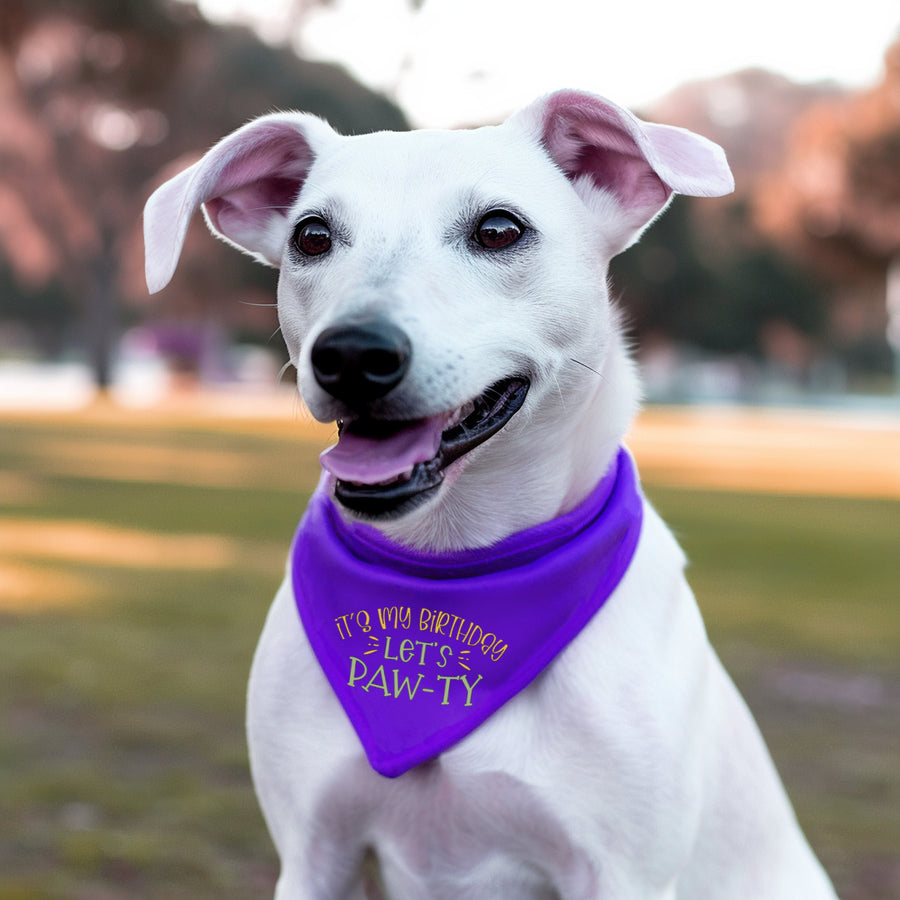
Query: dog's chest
(569,783)
(443,834)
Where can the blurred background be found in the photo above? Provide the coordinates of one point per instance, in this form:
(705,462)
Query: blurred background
(154,458)
(782,291)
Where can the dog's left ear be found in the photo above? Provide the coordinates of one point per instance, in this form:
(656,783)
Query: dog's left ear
(609,154)
(246,185)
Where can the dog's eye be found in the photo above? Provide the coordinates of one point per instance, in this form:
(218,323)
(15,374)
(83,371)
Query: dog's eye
(498,229)
(312,236)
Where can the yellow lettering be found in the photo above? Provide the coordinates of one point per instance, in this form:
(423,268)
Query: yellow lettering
(355,664)
(400,686)
(469,687)
(378,680)
(447,679)
(338,621)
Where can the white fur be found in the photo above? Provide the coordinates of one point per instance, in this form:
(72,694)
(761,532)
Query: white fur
(631,768)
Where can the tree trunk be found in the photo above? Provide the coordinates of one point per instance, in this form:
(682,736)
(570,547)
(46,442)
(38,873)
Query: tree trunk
(101,317)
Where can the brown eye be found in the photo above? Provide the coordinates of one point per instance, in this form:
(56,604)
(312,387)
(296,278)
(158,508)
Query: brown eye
(498,229)
(312,237)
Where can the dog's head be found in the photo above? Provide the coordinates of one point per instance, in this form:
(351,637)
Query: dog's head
(443,294)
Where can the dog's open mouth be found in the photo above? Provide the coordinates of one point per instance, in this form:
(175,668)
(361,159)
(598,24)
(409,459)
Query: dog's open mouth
(384,468)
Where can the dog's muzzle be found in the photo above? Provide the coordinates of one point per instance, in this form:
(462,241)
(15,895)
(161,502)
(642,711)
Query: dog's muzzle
(383,467)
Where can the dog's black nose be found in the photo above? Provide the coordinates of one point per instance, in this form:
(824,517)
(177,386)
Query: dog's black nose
(361,360)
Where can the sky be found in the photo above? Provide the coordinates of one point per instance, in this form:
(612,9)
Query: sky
(459,62)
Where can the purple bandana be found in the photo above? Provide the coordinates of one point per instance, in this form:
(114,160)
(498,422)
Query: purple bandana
(421,648)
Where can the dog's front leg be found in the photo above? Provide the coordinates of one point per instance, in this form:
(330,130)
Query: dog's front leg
(298,738)
(297,883)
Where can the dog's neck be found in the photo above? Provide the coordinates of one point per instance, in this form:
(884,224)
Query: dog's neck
(543,465)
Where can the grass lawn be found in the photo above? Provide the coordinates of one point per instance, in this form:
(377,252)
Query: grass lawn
(137,562)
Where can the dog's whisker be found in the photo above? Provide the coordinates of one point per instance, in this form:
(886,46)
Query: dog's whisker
(586,366)
(251,303)
(282,370)
(301,413)
(559,391)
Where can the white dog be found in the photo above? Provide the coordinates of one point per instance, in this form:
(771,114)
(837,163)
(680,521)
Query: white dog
(444,296)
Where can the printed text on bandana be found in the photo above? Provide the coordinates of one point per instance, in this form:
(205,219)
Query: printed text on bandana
(403,653)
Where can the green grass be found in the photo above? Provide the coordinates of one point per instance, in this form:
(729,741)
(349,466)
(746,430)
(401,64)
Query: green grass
(818,575)
(123,769)
(801,597)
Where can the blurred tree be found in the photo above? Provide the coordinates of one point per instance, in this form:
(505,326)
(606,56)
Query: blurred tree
(721,294)
(662,282)
(834,204)
(794,263)
(703,276)
(96,96)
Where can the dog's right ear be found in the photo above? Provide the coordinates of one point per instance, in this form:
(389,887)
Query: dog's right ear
(625,170)
(246,183)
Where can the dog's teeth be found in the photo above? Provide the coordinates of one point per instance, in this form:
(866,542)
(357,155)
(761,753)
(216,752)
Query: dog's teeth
(403,476)
(460,413)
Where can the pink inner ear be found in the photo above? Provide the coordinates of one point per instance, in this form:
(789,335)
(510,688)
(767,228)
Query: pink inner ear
(633,182)
(263,176)
(253,203)
(588,138)
(271,151)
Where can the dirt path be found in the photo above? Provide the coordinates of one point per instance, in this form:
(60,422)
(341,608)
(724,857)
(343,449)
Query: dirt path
(782,451)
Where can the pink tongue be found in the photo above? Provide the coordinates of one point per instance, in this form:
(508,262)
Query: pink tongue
(368,460)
